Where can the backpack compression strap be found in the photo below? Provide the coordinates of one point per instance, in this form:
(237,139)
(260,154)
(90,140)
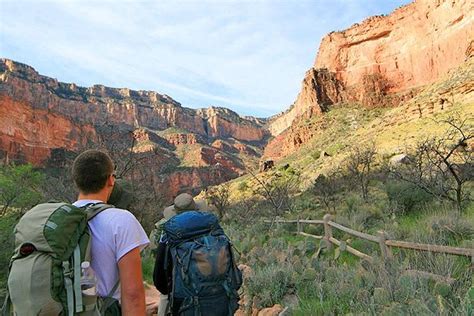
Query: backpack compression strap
(7,305)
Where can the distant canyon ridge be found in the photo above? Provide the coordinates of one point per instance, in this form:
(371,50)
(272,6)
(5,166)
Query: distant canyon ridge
(382,61)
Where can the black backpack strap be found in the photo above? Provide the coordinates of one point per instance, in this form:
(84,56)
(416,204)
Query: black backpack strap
(109,300)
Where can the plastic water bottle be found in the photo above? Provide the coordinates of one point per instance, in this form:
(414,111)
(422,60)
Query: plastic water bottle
(88,279)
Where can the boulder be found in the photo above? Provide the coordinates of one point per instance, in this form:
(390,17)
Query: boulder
(400,159)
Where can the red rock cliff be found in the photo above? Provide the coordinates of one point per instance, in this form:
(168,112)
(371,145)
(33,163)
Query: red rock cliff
(42,118)
(384,59)
(41,99)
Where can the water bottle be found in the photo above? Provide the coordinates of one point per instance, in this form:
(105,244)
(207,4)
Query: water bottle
(88,279)
(89,290)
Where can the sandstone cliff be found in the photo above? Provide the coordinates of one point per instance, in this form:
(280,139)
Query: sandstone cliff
(385,59)
(41,117)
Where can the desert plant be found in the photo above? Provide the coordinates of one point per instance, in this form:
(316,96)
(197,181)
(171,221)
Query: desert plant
(445,228)
(218,197)
(442,166)
(269,284)
(7,224)
(404,197)
(325,188)
(359,166)
(277,189)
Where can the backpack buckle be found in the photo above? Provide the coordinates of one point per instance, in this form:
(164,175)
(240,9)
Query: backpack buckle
(67,269)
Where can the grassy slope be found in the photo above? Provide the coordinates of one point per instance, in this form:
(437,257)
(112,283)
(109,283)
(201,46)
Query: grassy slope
(391,129)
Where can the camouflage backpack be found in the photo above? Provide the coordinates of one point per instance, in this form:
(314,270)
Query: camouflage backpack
(51,242)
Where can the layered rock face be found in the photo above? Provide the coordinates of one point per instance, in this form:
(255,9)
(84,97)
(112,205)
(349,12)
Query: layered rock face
(39,115)
(319,90)
(28,134)
(412,46)
(385,59)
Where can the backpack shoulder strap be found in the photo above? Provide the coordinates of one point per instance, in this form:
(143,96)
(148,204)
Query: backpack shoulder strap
(93,209)
(109,299)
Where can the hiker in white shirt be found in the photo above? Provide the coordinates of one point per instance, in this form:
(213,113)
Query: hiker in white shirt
(117,236)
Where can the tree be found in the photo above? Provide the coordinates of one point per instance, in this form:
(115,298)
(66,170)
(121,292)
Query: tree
(325,188)
(218,197)
(122,145)
(441,166)
(148,200)
(277,189)
(359,165)
(132,163)
(19,186)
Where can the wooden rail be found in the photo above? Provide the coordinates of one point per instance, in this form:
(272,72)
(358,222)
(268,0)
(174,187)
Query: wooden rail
(351,250)
(432,248)
(381,238)
(354,232)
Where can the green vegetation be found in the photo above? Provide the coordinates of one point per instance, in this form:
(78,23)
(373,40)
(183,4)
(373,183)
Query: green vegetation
(173,130)
(7,223)
(148,263)
(286,266)
(19,187)
(363,190)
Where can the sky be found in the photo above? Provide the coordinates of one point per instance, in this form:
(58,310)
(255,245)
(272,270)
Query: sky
(247,55)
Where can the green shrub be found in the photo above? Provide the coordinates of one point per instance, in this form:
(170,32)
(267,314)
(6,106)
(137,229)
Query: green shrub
(148,264)
(450,227)
(404,197)
(269,284)
(19,187)
(7,224)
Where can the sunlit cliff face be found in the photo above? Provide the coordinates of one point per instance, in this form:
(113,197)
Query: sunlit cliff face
(391,55)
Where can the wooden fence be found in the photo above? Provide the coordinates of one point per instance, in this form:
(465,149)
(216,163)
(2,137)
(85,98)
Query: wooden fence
(381,239)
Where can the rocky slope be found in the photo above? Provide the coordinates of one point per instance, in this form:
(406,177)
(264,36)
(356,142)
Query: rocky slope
(41,117)
(385,59)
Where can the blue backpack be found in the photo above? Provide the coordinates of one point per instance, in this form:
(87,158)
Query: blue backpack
(204,274)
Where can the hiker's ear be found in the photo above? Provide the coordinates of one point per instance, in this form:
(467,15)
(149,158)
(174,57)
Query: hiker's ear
(111,180)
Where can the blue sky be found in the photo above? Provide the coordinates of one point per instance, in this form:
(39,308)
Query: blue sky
(249,56)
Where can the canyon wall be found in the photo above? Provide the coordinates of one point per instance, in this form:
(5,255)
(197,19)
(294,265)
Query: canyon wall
(53,113)
(384,60)
(42,119)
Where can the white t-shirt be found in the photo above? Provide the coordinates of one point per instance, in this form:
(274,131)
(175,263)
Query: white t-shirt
(114,232)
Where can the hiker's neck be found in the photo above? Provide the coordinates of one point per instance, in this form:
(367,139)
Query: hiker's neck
(102,195)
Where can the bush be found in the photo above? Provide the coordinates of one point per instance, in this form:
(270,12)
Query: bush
(404,197)
(448,228)
(148,264)
(19,187)
(269,284)
(7,224)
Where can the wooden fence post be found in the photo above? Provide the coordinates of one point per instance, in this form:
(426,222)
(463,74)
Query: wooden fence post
(327,230)
(384,249)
